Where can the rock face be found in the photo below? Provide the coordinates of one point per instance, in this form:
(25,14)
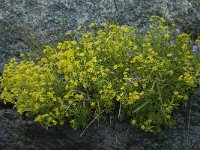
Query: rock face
(109,134)
(29,24)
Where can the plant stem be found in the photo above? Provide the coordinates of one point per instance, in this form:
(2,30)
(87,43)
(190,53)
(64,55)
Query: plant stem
(91,123)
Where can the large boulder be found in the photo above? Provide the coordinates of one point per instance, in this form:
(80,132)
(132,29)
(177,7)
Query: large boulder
(109,133)
(29,24)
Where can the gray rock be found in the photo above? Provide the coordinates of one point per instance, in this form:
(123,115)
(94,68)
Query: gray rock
(109,134)
(29,24)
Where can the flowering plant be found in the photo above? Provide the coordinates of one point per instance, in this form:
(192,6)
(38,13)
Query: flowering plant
(145,77)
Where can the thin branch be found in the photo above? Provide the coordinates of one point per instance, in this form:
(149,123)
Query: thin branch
(188,127)
(79,100)
(120,107)
(91,123)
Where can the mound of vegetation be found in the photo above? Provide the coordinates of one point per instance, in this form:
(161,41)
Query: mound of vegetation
(104,69)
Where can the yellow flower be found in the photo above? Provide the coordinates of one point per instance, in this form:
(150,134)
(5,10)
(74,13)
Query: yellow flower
(59,45)
(72,121)
(133,121)
(22,55)
(81,54)
(115,66)
(85,85)
(135,47)
(79,96)
(166,35)
(169,55)
(171,72)
(118,98)
(90,70)
(62,122)
(133,97)
(79,27)
(176,93)
(38,119)
(135,84)
(94,79)
(68,33)
(92,104)
(92,25)
(144,86)
(105,25)
(70,53)
(168,116)
(142,127)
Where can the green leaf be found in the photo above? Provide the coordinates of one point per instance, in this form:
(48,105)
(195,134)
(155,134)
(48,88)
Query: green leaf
(141,106)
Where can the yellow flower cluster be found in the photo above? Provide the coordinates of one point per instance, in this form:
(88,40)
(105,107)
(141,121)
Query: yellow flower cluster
(106,68)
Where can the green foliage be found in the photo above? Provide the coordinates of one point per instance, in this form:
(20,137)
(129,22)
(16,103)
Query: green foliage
(145,77)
